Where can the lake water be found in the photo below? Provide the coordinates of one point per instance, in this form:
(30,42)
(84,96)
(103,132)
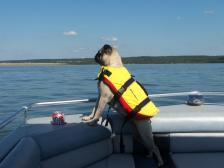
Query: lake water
(21,86)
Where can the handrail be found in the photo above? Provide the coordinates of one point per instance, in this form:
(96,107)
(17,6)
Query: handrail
(187,93)
(25,109)
(40,104)
(63,102)
(12,117)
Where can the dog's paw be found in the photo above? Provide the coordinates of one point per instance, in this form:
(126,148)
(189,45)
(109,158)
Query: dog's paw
(92,122)
(87,118)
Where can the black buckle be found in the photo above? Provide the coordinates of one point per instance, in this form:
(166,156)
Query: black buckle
(102,73)
(121,90)
(106,72)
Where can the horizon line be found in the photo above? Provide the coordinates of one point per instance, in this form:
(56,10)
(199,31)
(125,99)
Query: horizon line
(121,57)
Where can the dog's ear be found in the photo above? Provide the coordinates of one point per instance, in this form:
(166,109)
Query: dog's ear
(107,49)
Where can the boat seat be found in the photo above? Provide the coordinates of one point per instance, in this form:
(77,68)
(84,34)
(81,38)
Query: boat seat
(116,161)
(185,118)
(92,148)
(89,147)
(71,138)
(70,146)
(25,154)
(79,145)
(196,160)
(14,137)
(74,146)
(197,150)
(125,161)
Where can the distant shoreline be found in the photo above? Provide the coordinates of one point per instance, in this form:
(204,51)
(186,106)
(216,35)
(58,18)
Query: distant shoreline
(126,60)
(29,64)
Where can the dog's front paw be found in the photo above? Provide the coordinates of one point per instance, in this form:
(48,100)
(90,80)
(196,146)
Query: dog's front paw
(92,122)
(87,118)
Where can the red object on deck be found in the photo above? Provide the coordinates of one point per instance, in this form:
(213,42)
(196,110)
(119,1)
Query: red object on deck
(58,118)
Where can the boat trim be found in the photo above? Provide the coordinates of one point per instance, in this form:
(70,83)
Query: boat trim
(25,109)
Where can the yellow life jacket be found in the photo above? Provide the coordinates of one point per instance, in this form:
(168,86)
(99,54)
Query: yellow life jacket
(129,92)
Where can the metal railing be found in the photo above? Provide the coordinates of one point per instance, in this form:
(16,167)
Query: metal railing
(25,109)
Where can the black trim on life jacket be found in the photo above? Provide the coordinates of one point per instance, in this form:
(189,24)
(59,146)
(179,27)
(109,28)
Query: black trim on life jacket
(139,107)
(142,88)
(102,73)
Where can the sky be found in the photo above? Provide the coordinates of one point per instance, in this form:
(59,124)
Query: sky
(47,29)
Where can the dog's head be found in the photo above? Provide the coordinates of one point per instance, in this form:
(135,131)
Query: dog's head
(103,56)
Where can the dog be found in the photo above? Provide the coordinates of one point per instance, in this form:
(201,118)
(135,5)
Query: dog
(109,56)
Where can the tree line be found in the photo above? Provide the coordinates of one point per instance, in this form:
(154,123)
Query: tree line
(132,60)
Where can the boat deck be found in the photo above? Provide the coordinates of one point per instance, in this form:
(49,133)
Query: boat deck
(171,119)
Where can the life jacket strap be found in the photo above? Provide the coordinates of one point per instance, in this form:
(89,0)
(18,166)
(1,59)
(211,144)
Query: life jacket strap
(102,73)
(139,107)
(146,93)
(122,89)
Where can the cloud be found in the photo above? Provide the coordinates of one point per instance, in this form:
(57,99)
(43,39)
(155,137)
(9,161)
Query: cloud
(208,12)
(115,46)
(75,50)
(179,18)
(70,33)
(109,39)
(79,49)
(114,39)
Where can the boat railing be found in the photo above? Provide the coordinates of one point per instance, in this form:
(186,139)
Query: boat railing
(27,108)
